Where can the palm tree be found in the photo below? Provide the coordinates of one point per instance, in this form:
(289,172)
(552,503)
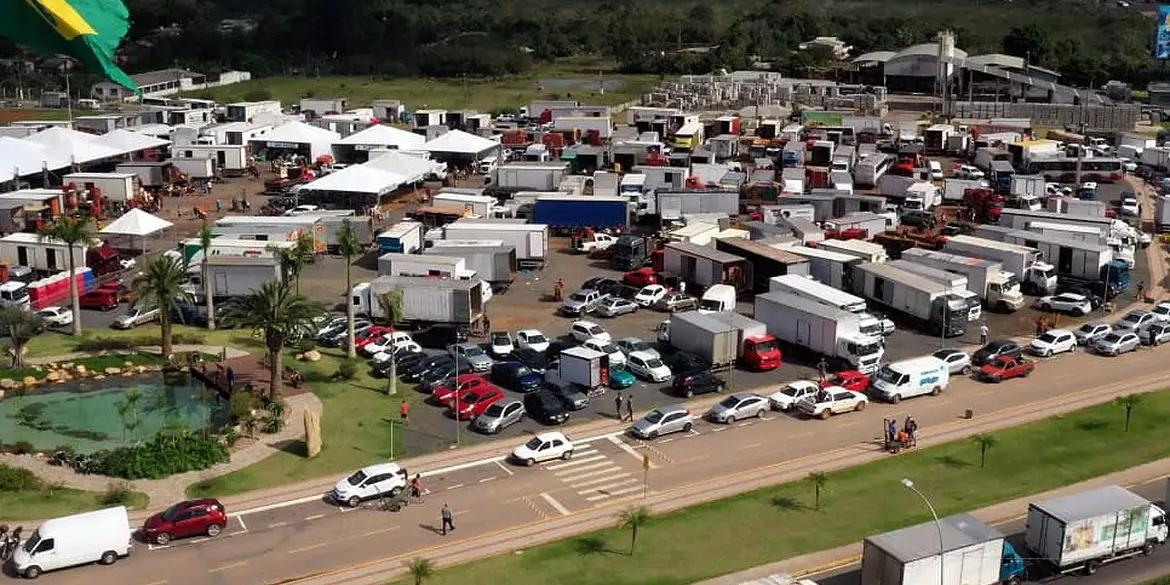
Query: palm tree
(293,260)
(391,303)
(161,285)
(22,325)
(205,237)
(1129,402)
(985,442)
(633,518)
(421,568)
(280,314)
(818,479)
(349,246)
(70,231)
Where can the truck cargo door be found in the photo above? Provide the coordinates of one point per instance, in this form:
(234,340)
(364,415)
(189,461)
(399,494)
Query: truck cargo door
(971,571)
(1064,260)
(803,333)
(535,244)
(220,283)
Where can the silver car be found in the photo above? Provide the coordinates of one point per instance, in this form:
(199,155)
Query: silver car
(612,307)
(738,406)
(957,360)
(1117,343)
(1155,333)
(1089,333)
(473,355)
(1134,321)
(499,416)
(662,421)
(629,345)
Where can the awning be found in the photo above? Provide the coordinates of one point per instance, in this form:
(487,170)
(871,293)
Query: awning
(136,223)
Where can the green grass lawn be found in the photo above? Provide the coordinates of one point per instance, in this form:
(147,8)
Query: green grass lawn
(780,522)
(578,77)
(33,505)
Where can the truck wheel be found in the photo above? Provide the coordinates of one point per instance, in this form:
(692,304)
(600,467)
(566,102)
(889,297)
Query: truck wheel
(1013,580)
(32,572)
(935,391)
(826,413)
(1148,549)
(895,398)
(1091,567)
(109,557)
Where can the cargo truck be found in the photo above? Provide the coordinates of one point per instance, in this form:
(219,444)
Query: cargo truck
(820,329)
(671,206)
(1081,532)
(1079,263)
(424,300)
(867,251)
(722,338)
(956,284)
(569,213)
(831,268)
(529,176)
(973,553)
(1162,214)
(767,261)
(1021,219)
(491,260)
(404,237)
(999,290)
(470,204)
(582,366)
(917,297)
(232,276)
(419,265)
(824,294)
(1036,276)
(529,239)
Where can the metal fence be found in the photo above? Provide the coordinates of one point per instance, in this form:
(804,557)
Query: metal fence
(1121,117)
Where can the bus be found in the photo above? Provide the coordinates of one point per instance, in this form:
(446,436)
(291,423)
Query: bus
(871,168)
(1063,169)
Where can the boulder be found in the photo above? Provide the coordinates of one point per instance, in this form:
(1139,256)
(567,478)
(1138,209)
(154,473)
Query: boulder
(128,364)
(53,376)
(81,369)
(8,383)
(312,356)
(140,369)
(113,371)
(1,395)
(312,433)
(100,377)
(29,381)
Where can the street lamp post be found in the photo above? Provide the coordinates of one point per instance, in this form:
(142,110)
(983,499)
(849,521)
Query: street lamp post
(937,524)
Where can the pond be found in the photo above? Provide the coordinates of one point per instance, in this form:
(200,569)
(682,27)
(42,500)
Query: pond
(90,415)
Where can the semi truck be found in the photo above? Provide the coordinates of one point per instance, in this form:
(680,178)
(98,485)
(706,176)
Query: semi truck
(569,213)
(1082,531)
(529,239)
(919,298)
(725,337)
(973,553)
(630,252)
(1035,276)
(820,329)
(824,294)
(998,289)
(424,300)
(956,285)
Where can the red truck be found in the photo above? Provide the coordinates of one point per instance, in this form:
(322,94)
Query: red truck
(1005,368)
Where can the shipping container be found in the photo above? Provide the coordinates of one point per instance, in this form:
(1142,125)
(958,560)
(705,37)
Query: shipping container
(970,553)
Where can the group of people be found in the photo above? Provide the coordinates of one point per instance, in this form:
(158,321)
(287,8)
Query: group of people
(445,513)
(628,401)
(906,438)
(9,542)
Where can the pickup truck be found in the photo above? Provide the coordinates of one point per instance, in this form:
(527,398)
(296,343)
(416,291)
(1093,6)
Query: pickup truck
(1005,368)
(582,302)
(589,242)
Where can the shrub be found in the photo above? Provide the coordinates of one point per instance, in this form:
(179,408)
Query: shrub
(241,404)
(103,342)
(274,420)
(166,454)
(18,479)
(306,344)
(118,493)
(346,370)
(22,447)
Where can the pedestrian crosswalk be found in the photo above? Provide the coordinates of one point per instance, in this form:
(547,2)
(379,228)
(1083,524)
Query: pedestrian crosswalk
(593,475)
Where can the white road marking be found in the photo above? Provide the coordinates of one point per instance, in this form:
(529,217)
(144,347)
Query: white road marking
(157,546)
(625,490)
(163,582)
(277,524)
(199,540)
(505,468)
(797,436)
(578,452)
(389,528)
(236,533)
(310,547)
(568,472)
(746,423)
(594,473)
(575,462)
(241,519)
(314,517)
(751,446)
(664,441)
(599,480)
(456,486)
(606,487)
(694,433)
(225,567)
(277,505)
(487,479)
(626,448)
(555,504)
(721,429)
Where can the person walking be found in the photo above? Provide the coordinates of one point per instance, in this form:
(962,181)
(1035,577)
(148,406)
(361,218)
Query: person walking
(891,432)
(1040,326)
(447,519)
(630,407)
(617,405)
(416,487)
(983,332)
(231,379)
(682,286)
(911,428)
(404,411)
(823,369)
(1141,291)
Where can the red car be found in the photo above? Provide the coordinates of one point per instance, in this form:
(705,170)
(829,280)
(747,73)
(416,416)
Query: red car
(445,395)
(370,335)
(189,518)
(475,402)
(102,300)
(640,277)
(850,380)
(1006,367)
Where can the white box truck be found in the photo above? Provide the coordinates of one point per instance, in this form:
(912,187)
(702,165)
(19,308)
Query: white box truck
(530,176)
(582,366)
(973,554)
(1162,214)
(471,205)
(232,276)
(831,268)
(404,237)
(1035,276)
(529,239)
(424,300)
(422,265)
(1072,258)
(998,289)
(867,251)
(1082,531)
(101,536)
(824,294)
(924,300)
(819,328)
(956,284)
(115,186)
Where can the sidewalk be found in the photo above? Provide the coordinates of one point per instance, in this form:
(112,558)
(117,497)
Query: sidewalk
(843,556)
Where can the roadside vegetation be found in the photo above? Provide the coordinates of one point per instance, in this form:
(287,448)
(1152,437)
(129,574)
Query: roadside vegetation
(24,496)
(772,523)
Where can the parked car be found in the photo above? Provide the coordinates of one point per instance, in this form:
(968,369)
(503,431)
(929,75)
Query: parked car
(543,447)
(336,337)
(501,343)
(1134,320)
(472,354)
(1071,303)
(830,401)
(968,172)
(663,421)
(446,393)
(1006,367)
(440,336)
(851,380)
(629,345)
(188,518)
(370,482)
(582,330)
(1052,342)
(676,301)
(995,349)
(738,406)
(683,363)
(532,339)
(56,316)
(476,402)
(614,306)
(918,218)
(331,325)
(650,294)
(545,407)
(1117,343)
(957,360)
(387,342)
(792,393)
(399,351)
(1155,334)
(534,360)
(1089,333)
(582,302)
(499,416)
(599,283)
(516,376)
(648,366)
(369,335)
(137,315)
(640,277)
(1161,311)
(620,378)
(697,383)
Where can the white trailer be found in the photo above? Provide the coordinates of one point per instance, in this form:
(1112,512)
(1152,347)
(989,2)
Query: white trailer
(530,176)
(1157,157)
(986,278)
(529,239)
(195,168)
(1084,233)
(114,186)
(231,158)
(973,554)
(955,190)
(1082,531)
(819,328)
(1029,186)
(582,366)
(404,237)
(831,268)
(422,265)
(43,254)
(1071,257)
(1162,214)
(424,300)
(233,276)
(915,296)
(867,251)
(956,285)
(1014,258)
(470,205)
(807,288)
(673,205)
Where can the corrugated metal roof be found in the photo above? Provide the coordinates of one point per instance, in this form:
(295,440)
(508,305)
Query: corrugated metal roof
(1091,503)
(921,541)
(875,57)
(704,252)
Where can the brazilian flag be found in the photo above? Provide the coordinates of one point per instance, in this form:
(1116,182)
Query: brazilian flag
(88,30)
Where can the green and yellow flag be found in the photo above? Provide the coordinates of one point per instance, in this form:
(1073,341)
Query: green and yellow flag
(88,30)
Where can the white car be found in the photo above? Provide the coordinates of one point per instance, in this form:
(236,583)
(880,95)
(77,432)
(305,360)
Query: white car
(791,394)
(127,263)
(1128,165)
(1161,312)
(387,343)
(400,349)
(501,343)
(1133,321)
(1052,342)
(1130,206)
(59,316)
(957,360)
(135,316)
(531,338)
(302,210)
(582,330)
(968,172)
(543,447)
(650,294)
(832,400)
(648,366)
(370,482)
(1071,303)
(616,357)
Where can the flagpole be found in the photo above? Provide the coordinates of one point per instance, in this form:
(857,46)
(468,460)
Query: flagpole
(68,96)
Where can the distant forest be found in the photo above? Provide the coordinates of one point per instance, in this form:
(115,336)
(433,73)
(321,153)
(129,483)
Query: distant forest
(1089,42)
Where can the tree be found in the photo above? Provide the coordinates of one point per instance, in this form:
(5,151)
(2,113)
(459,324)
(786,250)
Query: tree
(70,231)
(293,260)
(280,314)
(1129,402)
(205,237)
(985,442)
(421,568)
(633,518)
(22,325)
(818,479)
(161,285)
(350,247)
(1030,41)
(391,303)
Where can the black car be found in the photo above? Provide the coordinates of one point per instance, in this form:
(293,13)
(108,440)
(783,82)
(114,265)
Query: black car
(917,218)
(569,394)
(687,385)
(1091,293)
(683,363)
(545,407)
(425,366)
(405,363)
(536,361)
(440,336)
(599,283)
(623,291)
(516,376)
(995,349)
(436,376)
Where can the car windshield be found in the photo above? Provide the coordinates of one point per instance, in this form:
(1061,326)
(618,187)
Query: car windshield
(1132,318)
(533,444)
(606,348)
(537,339)
(594,330)
(654,416)
(577,297)
(1112,338)
(1087,328)
(792,391)
(889,375)
(1047,338)
(32,542)
(500,339)
(767,346)
(710,304)
(943,354)
(473,351)
(357,478)
(729,402)
(654,363)
(170,513)
(494,410)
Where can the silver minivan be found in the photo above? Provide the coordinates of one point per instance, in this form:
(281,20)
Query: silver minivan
(662,421)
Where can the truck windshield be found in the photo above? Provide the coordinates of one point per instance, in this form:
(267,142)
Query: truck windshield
(864,349)
(711,305)
(766,346)
(871,328)
(32,542)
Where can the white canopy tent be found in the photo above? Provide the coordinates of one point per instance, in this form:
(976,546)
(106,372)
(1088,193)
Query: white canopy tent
(137,223)
(358,179)
(413,168)
(21,158)
(460,144)
(129,142)
(381,136)
(309,140)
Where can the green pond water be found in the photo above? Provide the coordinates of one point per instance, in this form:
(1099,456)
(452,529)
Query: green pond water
(94,414)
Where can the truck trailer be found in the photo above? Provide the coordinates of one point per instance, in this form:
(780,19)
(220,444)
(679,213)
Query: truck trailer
(723,338)
(706,266)
(767,261)
(867,251)
(999,290)
(529,176)
(424,300)
(831,268)
(820,329)
(824,294)
(956,284)
(1035,276)
(924,300)
(970,553)
(491,260)
(672,205)
(529,239)
(569,213)
(404,237)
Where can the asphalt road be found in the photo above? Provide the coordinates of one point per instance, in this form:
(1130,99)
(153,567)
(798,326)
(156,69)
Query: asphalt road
(499,506)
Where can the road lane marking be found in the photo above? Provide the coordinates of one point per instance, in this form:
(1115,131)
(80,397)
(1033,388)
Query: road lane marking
(311,547)
(226,567)
(609,468)
(336,540)
(487,479)
(624,447)
(664,441)
(751,445)
(505,468)
(456,486)
(584,453)
(592,466)
(278,505)
(693,459)
(163,582)
(574,462)
(314,517)
(746,423)
(241,519)
(721,429)
(277,524)
(625,490)
(605,488)
(554,503)
(199,540)
(599,480)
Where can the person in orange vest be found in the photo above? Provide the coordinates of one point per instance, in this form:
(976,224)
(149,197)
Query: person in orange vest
(404,411)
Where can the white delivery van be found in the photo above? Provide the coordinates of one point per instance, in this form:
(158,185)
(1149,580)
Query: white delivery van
(719,297)
(913,377)
(488,164)
(102,536)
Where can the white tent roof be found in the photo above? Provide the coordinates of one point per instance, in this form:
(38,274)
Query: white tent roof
(136,223)
(410,168)
(19,158)
(356,179)
(381,135)
(130,141)
(460,142)
(299,133)
(75,147)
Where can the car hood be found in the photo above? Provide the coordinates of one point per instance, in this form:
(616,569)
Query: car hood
(644,425)
(342,486)
(572,304)
(154,521)
(719,409)
(622,378)
(523,452)
(530,379)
